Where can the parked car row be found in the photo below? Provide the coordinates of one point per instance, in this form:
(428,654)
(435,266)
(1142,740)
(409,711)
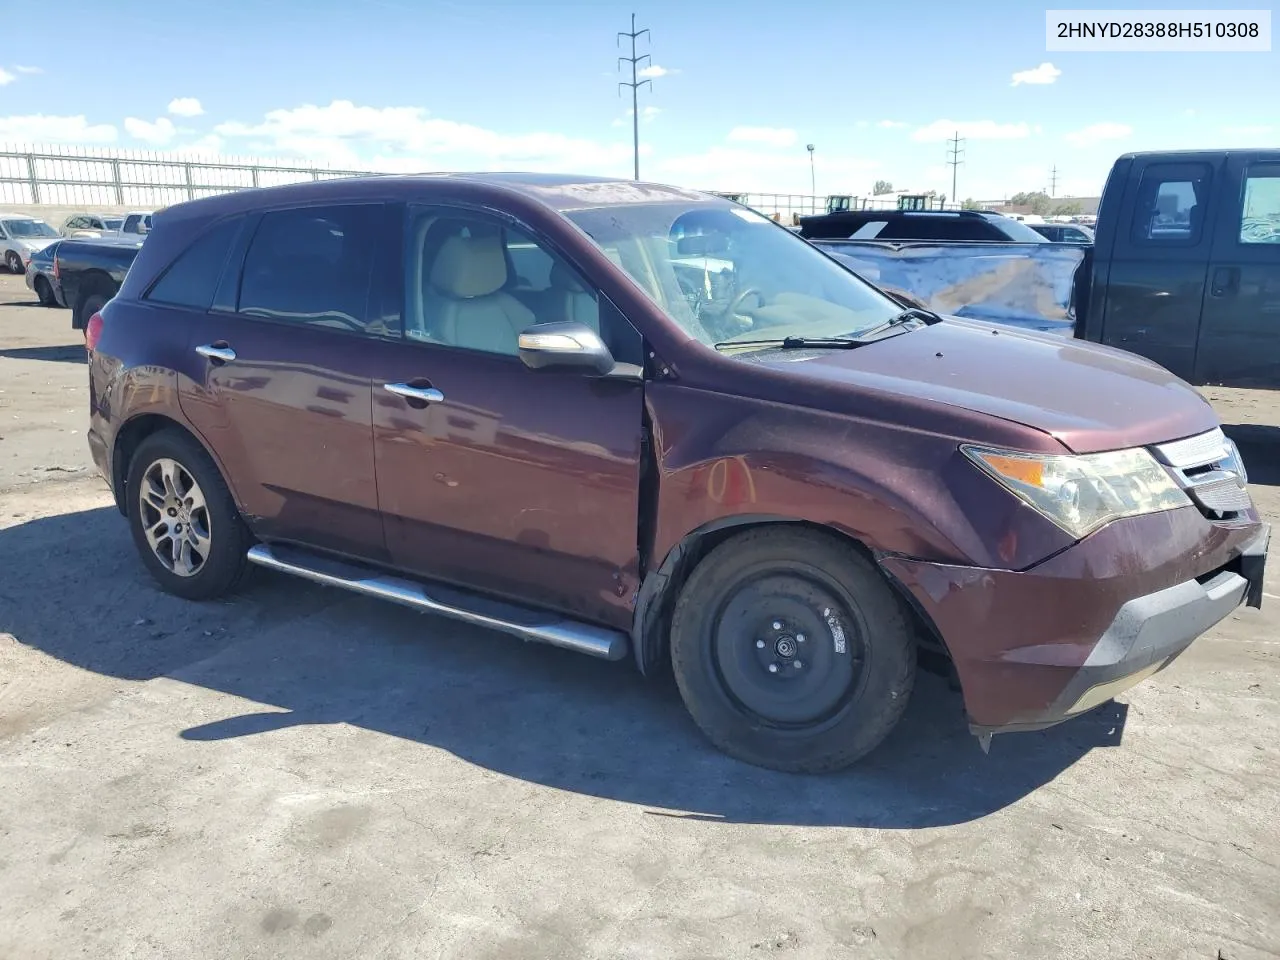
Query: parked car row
(522,401)
(22,236)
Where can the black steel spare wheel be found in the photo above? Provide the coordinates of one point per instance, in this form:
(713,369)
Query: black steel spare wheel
(791,650)
(787,648)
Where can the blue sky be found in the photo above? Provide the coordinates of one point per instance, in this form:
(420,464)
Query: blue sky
(740,89)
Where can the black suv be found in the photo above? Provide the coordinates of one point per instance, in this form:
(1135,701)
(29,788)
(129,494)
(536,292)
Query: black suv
(917,225)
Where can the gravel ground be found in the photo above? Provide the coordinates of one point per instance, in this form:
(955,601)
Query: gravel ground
(301,773)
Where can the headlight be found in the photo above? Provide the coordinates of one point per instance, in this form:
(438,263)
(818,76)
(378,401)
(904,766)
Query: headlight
(1082,493)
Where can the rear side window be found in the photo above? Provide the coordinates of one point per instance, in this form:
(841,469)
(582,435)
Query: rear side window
(190,280)
(311,265)
(1171,204)
(1260,214)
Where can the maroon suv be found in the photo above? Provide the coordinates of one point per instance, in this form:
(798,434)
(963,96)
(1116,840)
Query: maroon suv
(633,420)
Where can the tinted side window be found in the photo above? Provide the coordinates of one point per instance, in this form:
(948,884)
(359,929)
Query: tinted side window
(311,265)
(1171,203)
(190,280)
(1260,212)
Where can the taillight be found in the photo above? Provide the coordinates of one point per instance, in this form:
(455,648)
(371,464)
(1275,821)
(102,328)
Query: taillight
(56,274)
(93,332)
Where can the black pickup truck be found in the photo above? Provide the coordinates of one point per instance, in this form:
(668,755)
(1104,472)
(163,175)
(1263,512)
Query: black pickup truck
(91,271)
(1184,268)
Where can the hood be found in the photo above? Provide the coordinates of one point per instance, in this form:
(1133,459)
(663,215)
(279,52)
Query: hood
(1089,397)
(36,243)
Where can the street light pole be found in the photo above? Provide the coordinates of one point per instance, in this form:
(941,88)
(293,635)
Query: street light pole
(813,183)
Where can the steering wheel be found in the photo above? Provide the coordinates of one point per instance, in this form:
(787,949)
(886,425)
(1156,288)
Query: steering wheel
(740,299)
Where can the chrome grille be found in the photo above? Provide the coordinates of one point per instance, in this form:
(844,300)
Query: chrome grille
(1198,451)
(1208,468)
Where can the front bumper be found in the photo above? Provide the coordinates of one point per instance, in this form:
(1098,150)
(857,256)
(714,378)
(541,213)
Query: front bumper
(1037,647)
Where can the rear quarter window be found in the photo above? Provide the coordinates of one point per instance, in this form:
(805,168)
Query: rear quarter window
(192,278)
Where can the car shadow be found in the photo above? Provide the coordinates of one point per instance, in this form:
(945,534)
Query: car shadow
(319,656)
(67,353)
(20,303)
(1259,445)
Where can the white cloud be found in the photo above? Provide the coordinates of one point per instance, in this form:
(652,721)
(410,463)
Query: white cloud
(158,133)
(1045,73)
(185,107)
(349,136)
(893,124)
(653,70)
(1098,133)
(43,128)
(941,130)
(22,69)
(647,115)
(6,77)
(1189,112)
(771,136)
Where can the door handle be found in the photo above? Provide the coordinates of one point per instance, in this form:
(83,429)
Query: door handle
(1225,281)
(410,392)
(216,353)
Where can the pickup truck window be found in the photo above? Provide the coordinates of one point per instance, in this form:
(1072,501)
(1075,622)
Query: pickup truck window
(474,282)
(1171,203)
(721,272)
(1260,216)
(311,266)
(190,280)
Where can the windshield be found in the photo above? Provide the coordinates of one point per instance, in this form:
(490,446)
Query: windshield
(29,228)
(1019,231)
(727,273)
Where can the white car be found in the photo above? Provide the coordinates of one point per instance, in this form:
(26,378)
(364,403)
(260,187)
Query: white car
(20,237)
(92,225)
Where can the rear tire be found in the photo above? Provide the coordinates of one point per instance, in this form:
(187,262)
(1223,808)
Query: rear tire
(88,307)
(791,651)
(44,292)
(184,521)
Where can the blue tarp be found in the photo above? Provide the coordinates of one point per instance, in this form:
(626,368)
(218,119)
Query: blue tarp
(1026,285)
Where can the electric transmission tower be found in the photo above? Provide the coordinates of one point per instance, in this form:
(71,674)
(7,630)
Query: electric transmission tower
(954,152)
(635,85)
(1053,181)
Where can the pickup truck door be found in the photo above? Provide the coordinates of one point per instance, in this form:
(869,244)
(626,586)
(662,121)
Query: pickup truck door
(522,484)
(1240,331)
(1156,277)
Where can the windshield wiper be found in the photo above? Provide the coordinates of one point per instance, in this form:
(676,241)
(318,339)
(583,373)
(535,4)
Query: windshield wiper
(906,316)
(794,343)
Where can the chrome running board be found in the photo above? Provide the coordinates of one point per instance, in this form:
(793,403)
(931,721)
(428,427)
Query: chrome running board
(521,622)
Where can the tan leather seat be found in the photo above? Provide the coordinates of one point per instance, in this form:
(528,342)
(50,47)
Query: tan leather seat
(466,306)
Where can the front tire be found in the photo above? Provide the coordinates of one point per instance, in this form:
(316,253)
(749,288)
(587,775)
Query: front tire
(791,651)
(184,521)
(14,263)
(44,292)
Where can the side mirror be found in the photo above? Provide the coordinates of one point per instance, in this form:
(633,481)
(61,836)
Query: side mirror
(565,345)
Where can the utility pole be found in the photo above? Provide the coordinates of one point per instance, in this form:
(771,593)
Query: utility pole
(813,177)
(1053,181)
(635,85)
(954,153)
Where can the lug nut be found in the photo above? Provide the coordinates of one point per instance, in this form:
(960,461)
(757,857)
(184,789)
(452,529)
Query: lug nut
(759,644)
(799,638)
(777,624)
(773,668)
(798,664)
